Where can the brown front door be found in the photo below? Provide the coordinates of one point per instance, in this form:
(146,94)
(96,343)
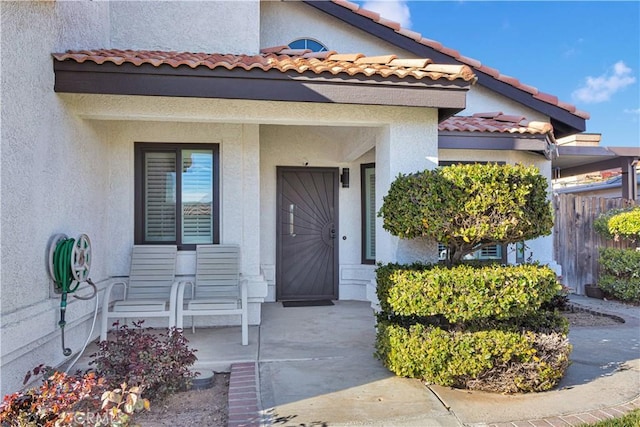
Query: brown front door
(307,221)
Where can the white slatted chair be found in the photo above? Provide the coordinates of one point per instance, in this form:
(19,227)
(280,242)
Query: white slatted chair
(150,290)
(217,289)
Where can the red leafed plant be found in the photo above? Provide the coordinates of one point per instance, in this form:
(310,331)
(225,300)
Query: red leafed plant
(41,406)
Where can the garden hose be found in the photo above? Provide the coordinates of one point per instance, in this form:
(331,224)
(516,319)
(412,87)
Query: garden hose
(69,264)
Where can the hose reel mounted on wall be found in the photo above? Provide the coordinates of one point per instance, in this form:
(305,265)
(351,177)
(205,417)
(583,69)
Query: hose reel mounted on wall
(69,263)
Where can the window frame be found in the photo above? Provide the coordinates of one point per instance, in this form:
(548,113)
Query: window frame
(140,150)
(363,214)
(305,41)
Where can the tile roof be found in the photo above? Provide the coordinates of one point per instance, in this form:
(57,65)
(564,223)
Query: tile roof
(473,63)
(495,122)
(283,59)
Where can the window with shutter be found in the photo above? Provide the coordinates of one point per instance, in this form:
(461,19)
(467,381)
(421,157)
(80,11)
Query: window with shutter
(176,194)
(368,196)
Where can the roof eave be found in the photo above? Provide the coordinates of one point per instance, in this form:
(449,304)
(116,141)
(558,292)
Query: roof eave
(454,140)
(128,79)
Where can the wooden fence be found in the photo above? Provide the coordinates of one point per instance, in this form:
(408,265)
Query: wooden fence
(576,243)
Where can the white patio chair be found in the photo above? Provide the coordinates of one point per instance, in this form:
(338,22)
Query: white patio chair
(150,290)
(217,289)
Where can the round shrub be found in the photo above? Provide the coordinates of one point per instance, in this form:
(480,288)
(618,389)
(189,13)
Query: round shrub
(452,205)
(620,273)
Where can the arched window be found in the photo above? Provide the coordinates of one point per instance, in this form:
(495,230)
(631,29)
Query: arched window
(313,45)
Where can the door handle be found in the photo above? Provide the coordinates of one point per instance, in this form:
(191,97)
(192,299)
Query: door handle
(332,233)
(292,232)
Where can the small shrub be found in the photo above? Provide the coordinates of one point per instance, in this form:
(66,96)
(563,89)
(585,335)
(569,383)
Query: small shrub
(157,362)
(625,224)
(619,223)
(69,401)
(620,273)
(490,360)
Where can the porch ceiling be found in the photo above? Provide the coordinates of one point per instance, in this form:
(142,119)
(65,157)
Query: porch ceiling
(296,76)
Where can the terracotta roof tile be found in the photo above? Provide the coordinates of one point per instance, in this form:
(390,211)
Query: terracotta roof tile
(389,23)
(456,55)
(431,43)
(300,61)
(495,122)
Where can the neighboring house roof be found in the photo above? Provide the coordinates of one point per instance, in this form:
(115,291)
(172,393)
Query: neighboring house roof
(611,184)
(496,131)
(565,118)
(495,122)
(276,74)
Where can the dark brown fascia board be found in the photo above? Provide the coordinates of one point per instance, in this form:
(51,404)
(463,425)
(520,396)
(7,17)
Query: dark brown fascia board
(600,165)
(470,141)
(256,84)
(614,157)
(563,121)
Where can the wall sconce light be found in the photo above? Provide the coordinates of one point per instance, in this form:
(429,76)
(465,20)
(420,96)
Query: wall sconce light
(344,178)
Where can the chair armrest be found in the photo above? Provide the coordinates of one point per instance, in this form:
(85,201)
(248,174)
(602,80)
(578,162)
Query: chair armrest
(181,290)
(106,299)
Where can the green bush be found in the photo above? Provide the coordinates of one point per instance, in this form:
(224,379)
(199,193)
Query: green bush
(450,205)
(620,273)
(619,223)
(625,224)
(490,360)
(157,362)
(463,293)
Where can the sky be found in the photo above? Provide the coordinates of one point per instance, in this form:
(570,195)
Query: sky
(586,53)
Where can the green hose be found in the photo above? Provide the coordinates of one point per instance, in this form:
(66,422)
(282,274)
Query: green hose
(63,278)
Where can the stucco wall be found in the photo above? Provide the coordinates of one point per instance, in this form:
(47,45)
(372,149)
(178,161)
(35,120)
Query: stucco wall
(53,179)
(283,22)
(192,26)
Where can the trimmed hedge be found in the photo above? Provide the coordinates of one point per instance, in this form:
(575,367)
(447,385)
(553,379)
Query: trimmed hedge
(620,273)
(464,293)
(490,360)
(486,327)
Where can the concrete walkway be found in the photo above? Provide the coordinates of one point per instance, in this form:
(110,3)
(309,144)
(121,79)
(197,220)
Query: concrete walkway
(314,366)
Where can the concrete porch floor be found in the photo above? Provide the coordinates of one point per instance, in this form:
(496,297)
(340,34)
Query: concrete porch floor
(315,366)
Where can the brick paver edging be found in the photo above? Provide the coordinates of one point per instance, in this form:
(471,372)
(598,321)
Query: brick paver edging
(574,420)
(244,406)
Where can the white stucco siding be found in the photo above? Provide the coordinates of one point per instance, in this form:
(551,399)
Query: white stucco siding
(483,100)
(406,146)
(284,22)
(53,180)
(230,138)
(191,26)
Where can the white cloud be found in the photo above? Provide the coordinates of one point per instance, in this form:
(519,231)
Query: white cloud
(602,88)
(634,111)
(395,10)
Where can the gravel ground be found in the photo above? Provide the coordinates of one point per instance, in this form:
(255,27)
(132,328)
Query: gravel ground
(201,408)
